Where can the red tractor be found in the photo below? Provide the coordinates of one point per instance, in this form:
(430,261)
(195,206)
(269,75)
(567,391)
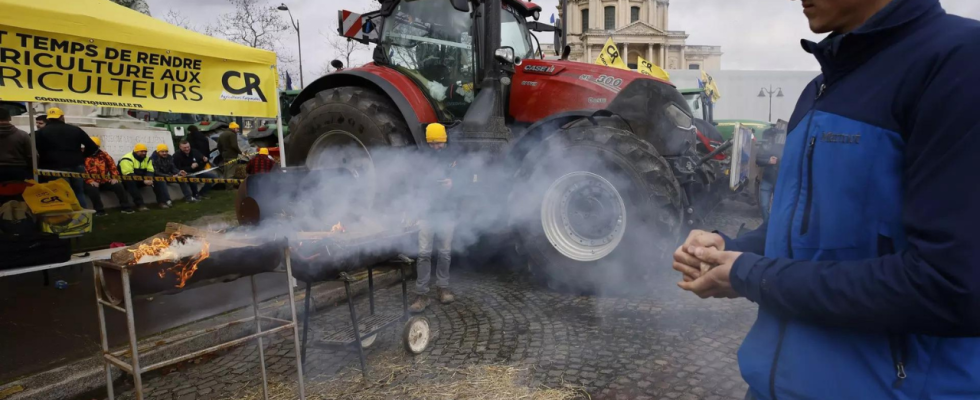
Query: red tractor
(616,149)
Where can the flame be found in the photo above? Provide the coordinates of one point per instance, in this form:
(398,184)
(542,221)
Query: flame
(184,270)
(155,247)
(338,228)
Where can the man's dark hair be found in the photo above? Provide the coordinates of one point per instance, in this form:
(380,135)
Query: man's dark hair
(183,142)
(4,114)
(192,129)
(41,117)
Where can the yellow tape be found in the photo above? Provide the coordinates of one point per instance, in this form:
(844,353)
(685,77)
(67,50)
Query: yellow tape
(63,174)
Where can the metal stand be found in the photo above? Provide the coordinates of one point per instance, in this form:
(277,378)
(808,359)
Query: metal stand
(132,365)
(372,324)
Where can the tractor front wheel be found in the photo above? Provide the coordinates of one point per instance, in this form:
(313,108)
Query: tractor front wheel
(339,128)
(596,208)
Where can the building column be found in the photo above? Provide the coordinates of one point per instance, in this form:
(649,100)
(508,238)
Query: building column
(683,60)
(650,52)
(595,14)
(652,13)
(664,48)
(588,52)
(626,53)
(622,10)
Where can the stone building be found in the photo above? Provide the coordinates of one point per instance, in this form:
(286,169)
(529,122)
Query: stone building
(639,28)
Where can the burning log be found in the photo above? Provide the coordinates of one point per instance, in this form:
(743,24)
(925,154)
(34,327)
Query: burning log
(194,260)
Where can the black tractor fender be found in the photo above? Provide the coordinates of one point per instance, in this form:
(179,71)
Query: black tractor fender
(541,130)
(366,80)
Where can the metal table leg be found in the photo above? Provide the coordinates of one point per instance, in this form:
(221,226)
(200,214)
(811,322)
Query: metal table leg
(258,329)
(292,308)
(306,318)
(357,331)
(102,331)
(131,327)
(371,287)
(401,272)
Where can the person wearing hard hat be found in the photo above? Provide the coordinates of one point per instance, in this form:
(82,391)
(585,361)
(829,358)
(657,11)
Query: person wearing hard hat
(102,164)
(138,164)
(261,163)
(191,161)
(229,150)
(165,166)
(437,223)
(64,147)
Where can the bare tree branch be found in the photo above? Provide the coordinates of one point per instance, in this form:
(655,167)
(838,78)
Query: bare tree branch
(177,18)
(138,5)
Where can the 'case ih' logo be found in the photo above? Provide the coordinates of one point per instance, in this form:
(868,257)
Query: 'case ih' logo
(242,86)
(539,69)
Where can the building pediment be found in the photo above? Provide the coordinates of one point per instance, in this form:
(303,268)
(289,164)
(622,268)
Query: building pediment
(639,28)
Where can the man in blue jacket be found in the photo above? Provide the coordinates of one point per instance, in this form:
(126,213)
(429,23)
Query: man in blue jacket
(867,275)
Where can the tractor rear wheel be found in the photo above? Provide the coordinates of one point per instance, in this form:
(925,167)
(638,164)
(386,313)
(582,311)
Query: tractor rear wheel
(596,207)
(338,128)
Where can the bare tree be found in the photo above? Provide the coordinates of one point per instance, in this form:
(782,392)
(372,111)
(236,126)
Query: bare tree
(254,23)
(177,18)
(138,5)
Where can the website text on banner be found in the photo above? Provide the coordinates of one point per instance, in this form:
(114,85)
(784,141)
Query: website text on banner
(58,68)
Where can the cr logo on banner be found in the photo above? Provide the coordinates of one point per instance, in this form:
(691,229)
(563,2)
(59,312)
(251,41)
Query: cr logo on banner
(249,88)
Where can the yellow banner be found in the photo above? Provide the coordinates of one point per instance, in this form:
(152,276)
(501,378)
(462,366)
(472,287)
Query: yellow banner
(610,56)
(647,68)
(59,68)
(710,87)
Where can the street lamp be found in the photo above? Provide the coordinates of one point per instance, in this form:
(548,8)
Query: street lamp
(764,92)
(299,40)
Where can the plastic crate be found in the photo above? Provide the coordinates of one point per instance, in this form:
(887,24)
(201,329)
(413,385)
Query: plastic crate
(67,224)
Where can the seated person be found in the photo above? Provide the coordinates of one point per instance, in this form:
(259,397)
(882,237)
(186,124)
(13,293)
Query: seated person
(163,165)
(138,163)
(261,163)
(189,161)
(102,164)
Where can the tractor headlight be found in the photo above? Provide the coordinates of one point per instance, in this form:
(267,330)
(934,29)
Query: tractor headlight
(680,118)
(536,15)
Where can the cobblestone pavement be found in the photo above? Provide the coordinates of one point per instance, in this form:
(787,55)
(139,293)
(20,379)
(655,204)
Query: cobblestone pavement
(663,344)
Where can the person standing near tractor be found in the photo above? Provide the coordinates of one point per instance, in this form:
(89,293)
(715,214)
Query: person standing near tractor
(60,148)
(437,224)
(866,276)
(229,150)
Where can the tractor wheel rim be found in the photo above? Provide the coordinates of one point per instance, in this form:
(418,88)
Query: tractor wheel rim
(338,149)
(583,216)
(418,336)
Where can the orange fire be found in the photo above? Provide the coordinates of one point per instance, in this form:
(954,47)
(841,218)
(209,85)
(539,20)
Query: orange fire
(184,270)
(338,228)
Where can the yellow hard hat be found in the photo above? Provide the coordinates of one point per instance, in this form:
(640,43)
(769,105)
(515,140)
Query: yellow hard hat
(139,147)
(264,151)
(233,125)
(435,133)
(162,147)
(98,142)
(55,112)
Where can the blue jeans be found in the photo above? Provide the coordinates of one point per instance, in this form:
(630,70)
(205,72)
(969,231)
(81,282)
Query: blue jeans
(77,184)
(765,198)
(189,189)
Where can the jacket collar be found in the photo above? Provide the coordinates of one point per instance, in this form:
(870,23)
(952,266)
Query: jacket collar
(841,53)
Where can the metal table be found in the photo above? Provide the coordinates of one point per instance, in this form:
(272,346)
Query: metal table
(128,360)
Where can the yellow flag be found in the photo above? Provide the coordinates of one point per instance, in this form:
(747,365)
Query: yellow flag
(610,56)
(647,68)
(709,86)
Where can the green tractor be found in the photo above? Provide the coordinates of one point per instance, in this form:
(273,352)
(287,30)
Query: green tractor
(262,132)
(713,133)
(177,124)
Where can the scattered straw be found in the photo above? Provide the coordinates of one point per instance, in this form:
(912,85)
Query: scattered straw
(400,378)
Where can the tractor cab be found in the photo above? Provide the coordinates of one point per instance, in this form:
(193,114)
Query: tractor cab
(437,43)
